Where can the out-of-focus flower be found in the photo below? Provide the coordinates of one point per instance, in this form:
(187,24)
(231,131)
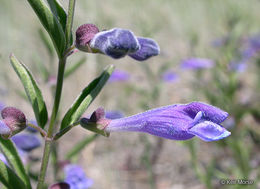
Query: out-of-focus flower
(237,66)
(220,41)
(26,142)
(60,185)
(148,48)
(114,114)
(253,47)
(119,76)
(197,63)
(115,43)
(176,122)
(76,177)
(13,122)
(169,76)
(51,81)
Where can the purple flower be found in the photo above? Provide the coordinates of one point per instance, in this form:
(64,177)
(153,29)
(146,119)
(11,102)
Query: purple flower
(253,47)
(149,48)
(115,43)
(14,121)
(176,122)
(239,66)
(114,114)
(76,178)
(26,142)
(169,76)
(119,75)
(197,63)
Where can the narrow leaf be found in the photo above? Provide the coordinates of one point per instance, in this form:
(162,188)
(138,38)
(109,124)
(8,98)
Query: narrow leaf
(74,67)
(14,160)
(51,24)
(32,90)
(9,178)
(80,146)
(59,12)
(86,97)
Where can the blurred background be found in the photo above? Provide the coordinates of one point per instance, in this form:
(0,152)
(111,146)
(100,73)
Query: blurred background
(210,52)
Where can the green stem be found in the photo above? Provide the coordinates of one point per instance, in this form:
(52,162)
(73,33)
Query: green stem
(62,63)
(65,130)
(47,147)
(42,131)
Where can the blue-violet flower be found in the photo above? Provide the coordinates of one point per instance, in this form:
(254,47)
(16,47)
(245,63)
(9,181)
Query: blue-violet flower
(76,177)
(176,122)
(148,48)
(197,63)
(114,114)
(118,76)
(169,76)
(26,142)
(115,43)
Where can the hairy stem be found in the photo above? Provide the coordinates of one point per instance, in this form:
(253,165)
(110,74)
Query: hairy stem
(47,147)
(65,130)
(62,63)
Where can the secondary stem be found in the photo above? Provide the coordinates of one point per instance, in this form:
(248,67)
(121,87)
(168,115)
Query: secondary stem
(47,146)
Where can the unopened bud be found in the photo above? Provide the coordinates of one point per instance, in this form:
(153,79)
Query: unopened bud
(84,34)
(14,119)
(97,122)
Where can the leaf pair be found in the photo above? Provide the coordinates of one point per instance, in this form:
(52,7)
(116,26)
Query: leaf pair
(54,21)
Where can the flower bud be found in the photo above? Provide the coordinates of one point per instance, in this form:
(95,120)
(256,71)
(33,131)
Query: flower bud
(115,43)
(84,34)
(14,119)
(96,123)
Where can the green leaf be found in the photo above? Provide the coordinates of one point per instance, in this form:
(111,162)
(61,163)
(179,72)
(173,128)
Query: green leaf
(9,178)
(80,146)
(86,97)
(51,24)
(59,12)
(14,161)
(33,92)
(74,67)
